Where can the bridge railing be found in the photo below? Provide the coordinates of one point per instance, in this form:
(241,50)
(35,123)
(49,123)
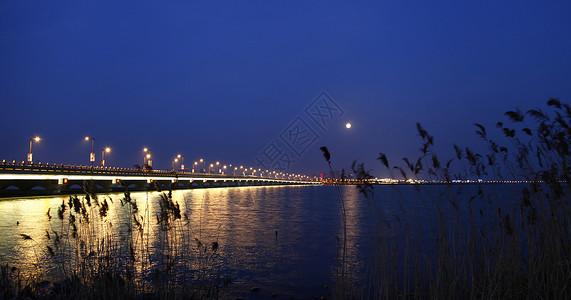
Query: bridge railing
(47,168)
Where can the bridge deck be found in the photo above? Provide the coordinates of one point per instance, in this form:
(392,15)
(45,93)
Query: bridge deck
(24,179)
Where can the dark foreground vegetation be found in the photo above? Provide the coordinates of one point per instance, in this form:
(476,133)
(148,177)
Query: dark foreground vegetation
(88,257)
(510,242)
(480,246)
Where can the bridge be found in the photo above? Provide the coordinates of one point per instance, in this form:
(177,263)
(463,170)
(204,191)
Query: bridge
(36,179)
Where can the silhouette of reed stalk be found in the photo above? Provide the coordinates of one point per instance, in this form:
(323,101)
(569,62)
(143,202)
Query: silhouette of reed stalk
(503,240)
(142,256)
(342,280)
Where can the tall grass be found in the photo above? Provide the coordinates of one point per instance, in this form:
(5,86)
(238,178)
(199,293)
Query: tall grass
(478,245)
(85,255)
(500,241)
(342,281)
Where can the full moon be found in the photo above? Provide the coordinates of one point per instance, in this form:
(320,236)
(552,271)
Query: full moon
(348,125)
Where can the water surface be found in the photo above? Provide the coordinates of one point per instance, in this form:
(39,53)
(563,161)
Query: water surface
(282,240)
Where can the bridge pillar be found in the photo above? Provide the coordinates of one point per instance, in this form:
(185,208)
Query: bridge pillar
(181,184)
(208,183)
(66,186)
(18,187)
(132,185)
(195,183)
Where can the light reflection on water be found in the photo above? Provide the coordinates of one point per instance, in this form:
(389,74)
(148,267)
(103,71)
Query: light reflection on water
(280,239)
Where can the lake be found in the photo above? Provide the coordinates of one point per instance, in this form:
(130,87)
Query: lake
(281,241)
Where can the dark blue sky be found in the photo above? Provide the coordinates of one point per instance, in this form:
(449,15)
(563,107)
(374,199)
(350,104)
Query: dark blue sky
(222,80)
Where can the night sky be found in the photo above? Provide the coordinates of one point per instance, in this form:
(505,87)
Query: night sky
(234,81)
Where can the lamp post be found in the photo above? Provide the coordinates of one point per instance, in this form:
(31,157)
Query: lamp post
(103,155)
(36,139)
(194,166)
(173,162)
(181,161)
(147,156)
(92,154)
(211,166)
(203,163)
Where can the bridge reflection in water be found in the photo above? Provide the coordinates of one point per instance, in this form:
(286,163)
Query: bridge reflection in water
(278,238)
(24,179)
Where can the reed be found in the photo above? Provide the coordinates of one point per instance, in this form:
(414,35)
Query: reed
(481,245)
(478,245)
(144,256)
(341,271)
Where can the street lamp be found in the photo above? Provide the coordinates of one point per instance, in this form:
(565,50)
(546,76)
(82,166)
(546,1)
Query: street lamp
(92,154)
(173,162)
(203,167)
(194,166)
(181,161)
(147,156)
(103,155)
(211,166)
(36,139)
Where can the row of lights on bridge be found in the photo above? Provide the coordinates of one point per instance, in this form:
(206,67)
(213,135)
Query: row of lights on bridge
(91,154)
(147,160)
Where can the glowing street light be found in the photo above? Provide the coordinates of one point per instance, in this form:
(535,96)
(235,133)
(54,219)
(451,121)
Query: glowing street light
(181,161)
(106,150)
(147,156)
(92,154)
(34,139)
(173,162)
